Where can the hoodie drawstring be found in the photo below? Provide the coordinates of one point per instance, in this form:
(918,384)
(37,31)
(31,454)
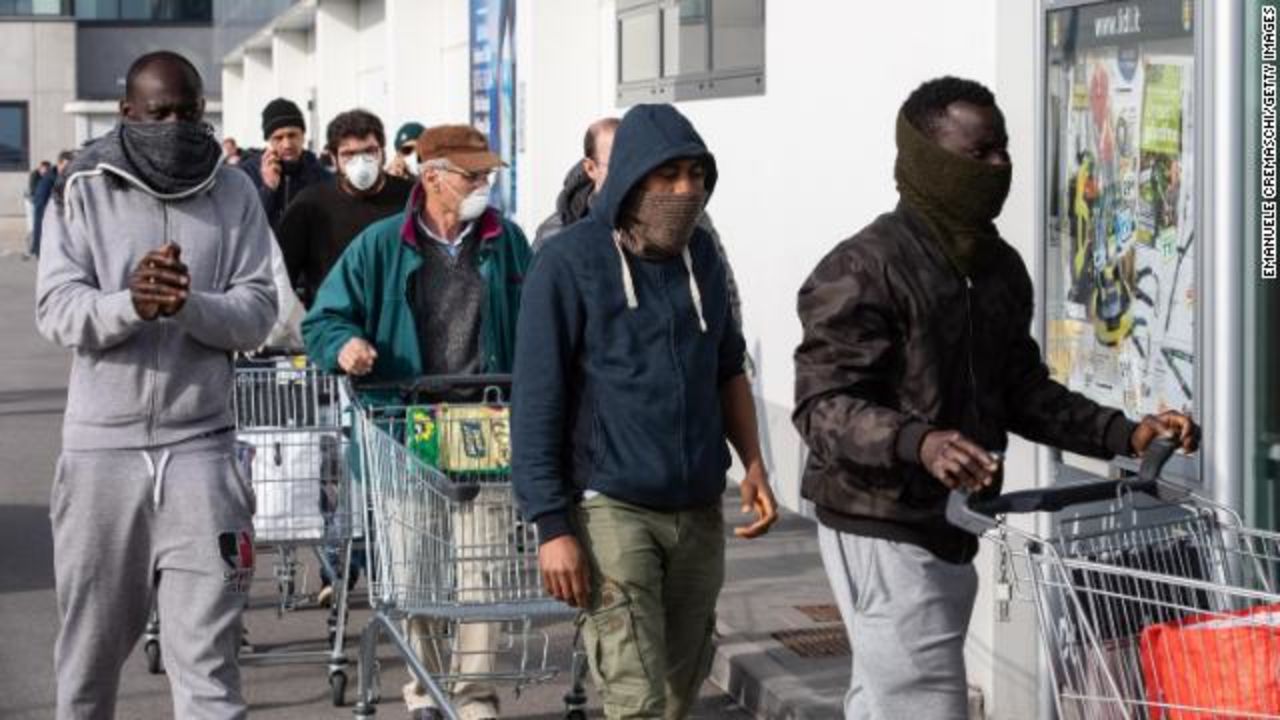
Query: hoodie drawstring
(694,292)
(628,285)
(157,476)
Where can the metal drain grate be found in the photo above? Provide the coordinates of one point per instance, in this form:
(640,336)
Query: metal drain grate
(815,642)
(820,613)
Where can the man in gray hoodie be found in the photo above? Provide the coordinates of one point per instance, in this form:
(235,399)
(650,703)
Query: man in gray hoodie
(156,267)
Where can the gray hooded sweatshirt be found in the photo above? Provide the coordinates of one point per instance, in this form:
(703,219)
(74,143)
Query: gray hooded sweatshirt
(140,384)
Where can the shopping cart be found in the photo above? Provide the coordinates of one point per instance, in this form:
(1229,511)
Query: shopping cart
(292,443)
(1152,602)
(448,550)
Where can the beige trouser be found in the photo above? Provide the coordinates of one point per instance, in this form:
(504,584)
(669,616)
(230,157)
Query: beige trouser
(480,532)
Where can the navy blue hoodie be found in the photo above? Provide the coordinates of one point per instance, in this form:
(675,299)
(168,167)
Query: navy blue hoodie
(617,383)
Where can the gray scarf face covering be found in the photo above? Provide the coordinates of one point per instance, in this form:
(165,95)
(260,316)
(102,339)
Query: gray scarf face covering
(170,157)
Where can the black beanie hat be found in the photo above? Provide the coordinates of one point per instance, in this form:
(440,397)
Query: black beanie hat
(281,113)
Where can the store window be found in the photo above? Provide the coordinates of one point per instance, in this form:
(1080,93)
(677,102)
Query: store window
(1122,257)
(158,11)
(34,8)
(13,136)
(689,49)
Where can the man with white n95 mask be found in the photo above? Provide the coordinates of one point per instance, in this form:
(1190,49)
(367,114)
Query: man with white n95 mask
(326,217)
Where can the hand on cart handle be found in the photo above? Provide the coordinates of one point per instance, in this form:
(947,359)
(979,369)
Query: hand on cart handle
(565,573)
(357,357)
(956,461)
(1171,425)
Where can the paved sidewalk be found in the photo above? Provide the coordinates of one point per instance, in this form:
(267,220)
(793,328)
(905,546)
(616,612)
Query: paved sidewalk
(13,235)
(775,591)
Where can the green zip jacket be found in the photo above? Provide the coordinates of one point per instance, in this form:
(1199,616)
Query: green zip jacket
(366,295)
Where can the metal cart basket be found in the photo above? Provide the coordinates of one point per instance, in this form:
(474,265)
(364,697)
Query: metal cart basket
(454,576)
(1151,602)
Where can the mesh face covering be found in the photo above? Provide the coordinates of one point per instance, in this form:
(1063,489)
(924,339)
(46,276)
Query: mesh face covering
(661,225)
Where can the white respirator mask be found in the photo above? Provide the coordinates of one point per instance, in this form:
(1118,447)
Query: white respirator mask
(362,171)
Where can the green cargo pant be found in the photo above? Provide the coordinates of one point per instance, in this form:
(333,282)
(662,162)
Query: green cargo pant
(655,578)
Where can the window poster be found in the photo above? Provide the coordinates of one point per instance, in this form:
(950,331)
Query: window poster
(1121,282)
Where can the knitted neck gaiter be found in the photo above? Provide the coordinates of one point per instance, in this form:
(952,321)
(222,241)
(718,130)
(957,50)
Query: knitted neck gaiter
(959,197)
(658,226)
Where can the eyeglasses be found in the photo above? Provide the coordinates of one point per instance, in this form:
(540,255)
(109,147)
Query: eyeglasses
(345,155)
(475,178)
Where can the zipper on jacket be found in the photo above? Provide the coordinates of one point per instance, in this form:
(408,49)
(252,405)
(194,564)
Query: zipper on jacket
(679,373)
(973,375)
(156,345)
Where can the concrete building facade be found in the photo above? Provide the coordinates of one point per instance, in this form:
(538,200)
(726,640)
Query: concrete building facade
(66,60)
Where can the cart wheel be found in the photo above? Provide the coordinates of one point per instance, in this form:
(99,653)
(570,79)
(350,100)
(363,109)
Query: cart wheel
(152,651)
(338,687)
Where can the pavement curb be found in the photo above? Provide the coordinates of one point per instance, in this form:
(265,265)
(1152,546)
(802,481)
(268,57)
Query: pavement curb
(746,671)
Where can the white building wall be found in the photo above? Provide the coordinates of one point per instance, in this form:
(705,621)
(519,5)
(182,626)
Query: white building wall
(259,89)
(413,66)
(337,43)
(294,70)
(234,106)
(372,92)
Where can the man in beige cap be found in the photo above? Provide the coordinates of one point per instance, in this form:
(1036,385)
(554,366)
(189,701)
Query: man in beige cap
(433,290)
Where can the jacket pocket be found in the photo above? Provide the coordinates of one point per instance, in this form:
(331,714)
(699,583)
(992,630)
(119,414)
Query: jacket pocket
(241,475)
(111,387)
(195,385)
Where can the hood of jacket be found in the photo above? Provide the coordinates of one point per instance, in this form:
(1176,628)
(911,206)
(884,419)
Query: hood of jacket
(648,137)
(106,154)
(574,201)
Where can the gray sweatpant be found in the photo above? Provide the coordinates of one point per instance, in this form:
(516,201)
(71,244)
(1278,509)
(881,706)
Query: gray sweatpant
(173,524)
(907,614)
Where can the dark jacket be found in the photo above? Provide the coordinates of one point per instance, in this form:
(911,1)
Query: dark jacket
(293,180)
(44,190)
(898,343)
(323,220)
(366,295)
(618,397)
(574,203)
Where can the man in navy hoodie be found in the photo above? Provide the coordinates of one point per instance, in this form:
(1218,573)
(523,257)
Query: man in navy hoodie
(628,381)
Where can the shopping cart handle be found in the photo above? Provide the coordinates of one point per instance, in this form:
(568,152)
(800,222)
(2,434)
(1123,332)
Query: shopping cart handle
(977,516)
(433,384)
(1156,457)
(274,351)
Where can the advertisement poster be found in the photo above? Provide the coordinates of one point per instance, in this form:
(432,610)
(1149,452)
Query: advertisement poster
(1121,262)
(493,89)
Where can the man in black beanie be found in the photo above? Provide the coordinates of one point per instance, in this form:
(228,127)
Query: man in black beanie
(286,167)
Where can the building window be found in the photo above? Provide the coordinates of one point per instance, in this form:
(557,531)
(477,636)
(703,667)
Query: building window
(145,11)
(13,136)
(689,49)
(34,8)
